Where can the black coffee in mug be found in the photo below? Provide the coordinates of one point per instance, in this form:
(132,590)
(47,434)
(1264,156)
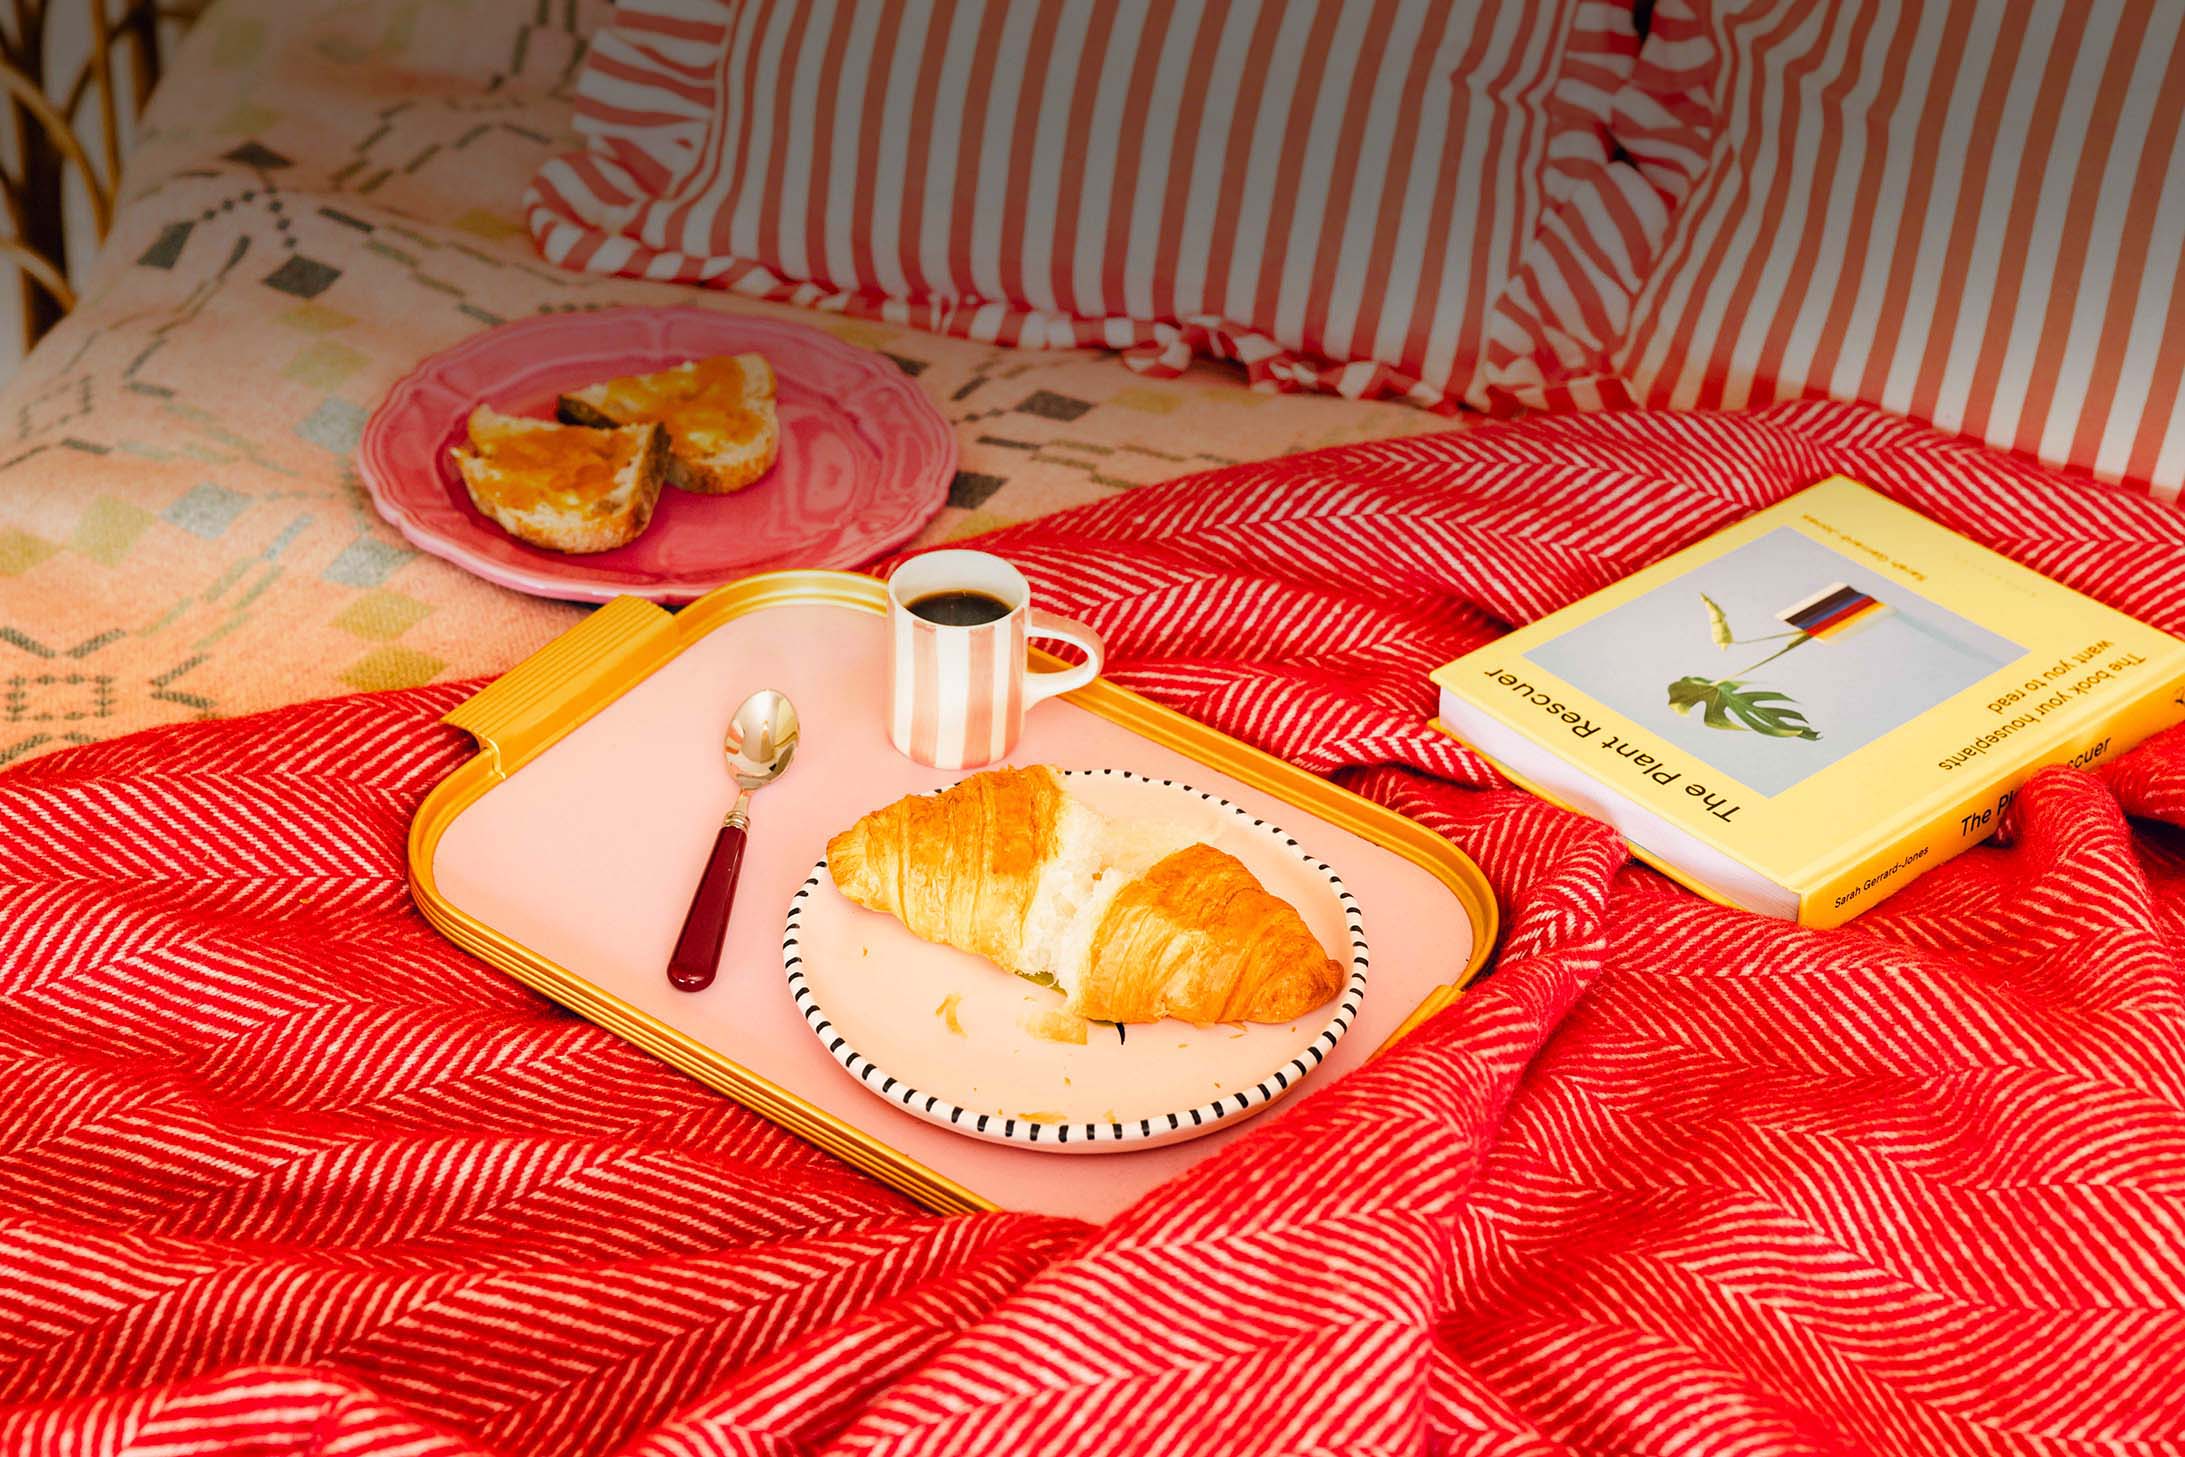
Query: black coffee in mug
(960,608)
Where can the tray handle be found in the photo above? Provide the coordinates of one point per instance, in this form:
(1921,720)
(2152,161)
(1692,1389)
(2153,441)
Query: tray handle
(559,686)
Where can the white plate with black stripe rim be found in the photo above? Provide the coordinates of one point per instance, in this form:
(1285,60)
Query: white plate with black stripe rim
(950,1038)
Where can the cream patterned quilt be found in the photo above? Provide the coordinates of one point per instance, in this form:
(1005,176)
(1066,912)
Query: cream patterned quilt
(324,195)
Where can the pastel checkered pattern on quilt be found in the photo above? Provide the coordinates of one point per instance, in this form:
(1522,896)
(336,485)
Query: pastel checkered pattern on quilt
(325,196)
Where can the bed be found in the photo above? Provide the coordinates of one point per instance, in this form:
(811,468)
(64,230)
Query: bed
(288,1172)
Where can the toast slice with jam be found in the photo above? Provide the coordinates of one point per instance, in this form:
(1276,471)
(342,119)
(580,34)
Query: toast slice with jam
(563,487)
(723,433)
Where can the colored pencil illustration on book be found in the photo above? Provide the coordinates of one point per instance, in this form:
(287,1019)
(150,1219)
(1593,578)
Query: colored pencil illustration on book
(1835,612)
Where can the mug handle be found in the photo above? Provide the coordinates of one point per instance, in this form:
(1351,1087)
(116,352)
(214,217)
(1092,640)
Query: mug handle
(1046,683)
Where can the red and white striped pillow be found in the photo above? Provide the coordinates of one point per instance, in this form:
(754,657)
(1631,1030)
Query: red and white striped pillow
(1362,197)
(1971,212)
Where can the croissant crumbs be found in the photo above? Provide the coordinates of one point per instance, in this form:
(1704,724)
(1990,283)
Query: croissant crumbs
(1052,1026)
(1127,920)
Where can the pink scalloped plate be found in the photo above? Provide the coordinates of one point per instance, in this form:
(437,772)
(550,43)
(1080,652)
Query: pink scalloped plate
(865,458)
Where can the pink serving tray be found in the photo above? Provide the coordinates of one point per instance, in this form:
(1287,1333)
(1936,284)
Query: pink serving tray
(565,852)
(866,460)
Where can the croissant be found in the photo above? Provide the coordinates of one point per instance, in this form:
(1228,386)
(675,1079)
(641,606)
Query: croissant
(1130,922)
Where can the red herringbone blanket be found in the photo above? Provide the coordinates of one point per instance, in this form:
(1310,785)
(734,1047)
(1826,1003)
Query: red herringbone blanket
(283,1172)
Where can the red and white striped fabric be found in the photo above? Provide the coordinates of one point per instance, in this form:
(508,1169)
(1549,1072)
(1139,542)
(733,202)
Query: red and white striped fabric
(1362,198)
(281,1171)
(1971,212)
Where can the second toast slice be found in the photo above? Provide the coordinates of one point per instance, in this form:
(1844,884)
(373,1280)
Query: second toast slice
(723,433)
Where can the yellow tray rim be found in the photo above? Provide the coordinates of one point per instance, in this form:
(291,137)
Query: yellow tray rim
(557,689)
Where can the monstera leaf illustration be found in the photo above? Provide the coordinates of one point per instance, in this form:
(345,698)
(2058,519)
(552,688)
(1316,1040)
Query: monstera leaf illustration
(1730,704)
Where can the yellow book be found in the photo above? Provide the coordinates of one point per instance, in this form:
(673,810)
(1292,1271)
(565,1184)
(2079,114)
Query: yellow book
(1807,710)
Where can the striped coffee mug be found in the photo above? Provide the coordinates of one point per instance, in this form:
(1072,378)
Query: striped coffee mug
(958,681)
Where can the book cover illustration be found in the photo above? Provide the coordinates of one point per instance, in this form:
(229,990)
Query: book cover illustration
(1775,659)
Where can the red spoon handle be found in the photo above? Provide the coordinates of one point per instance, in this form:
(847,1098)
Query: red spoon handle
(697,954)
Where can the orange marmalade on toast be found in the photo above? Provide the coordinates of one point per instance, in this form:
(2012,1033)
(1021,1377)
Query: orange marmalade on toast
(705,400)
(566,466)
